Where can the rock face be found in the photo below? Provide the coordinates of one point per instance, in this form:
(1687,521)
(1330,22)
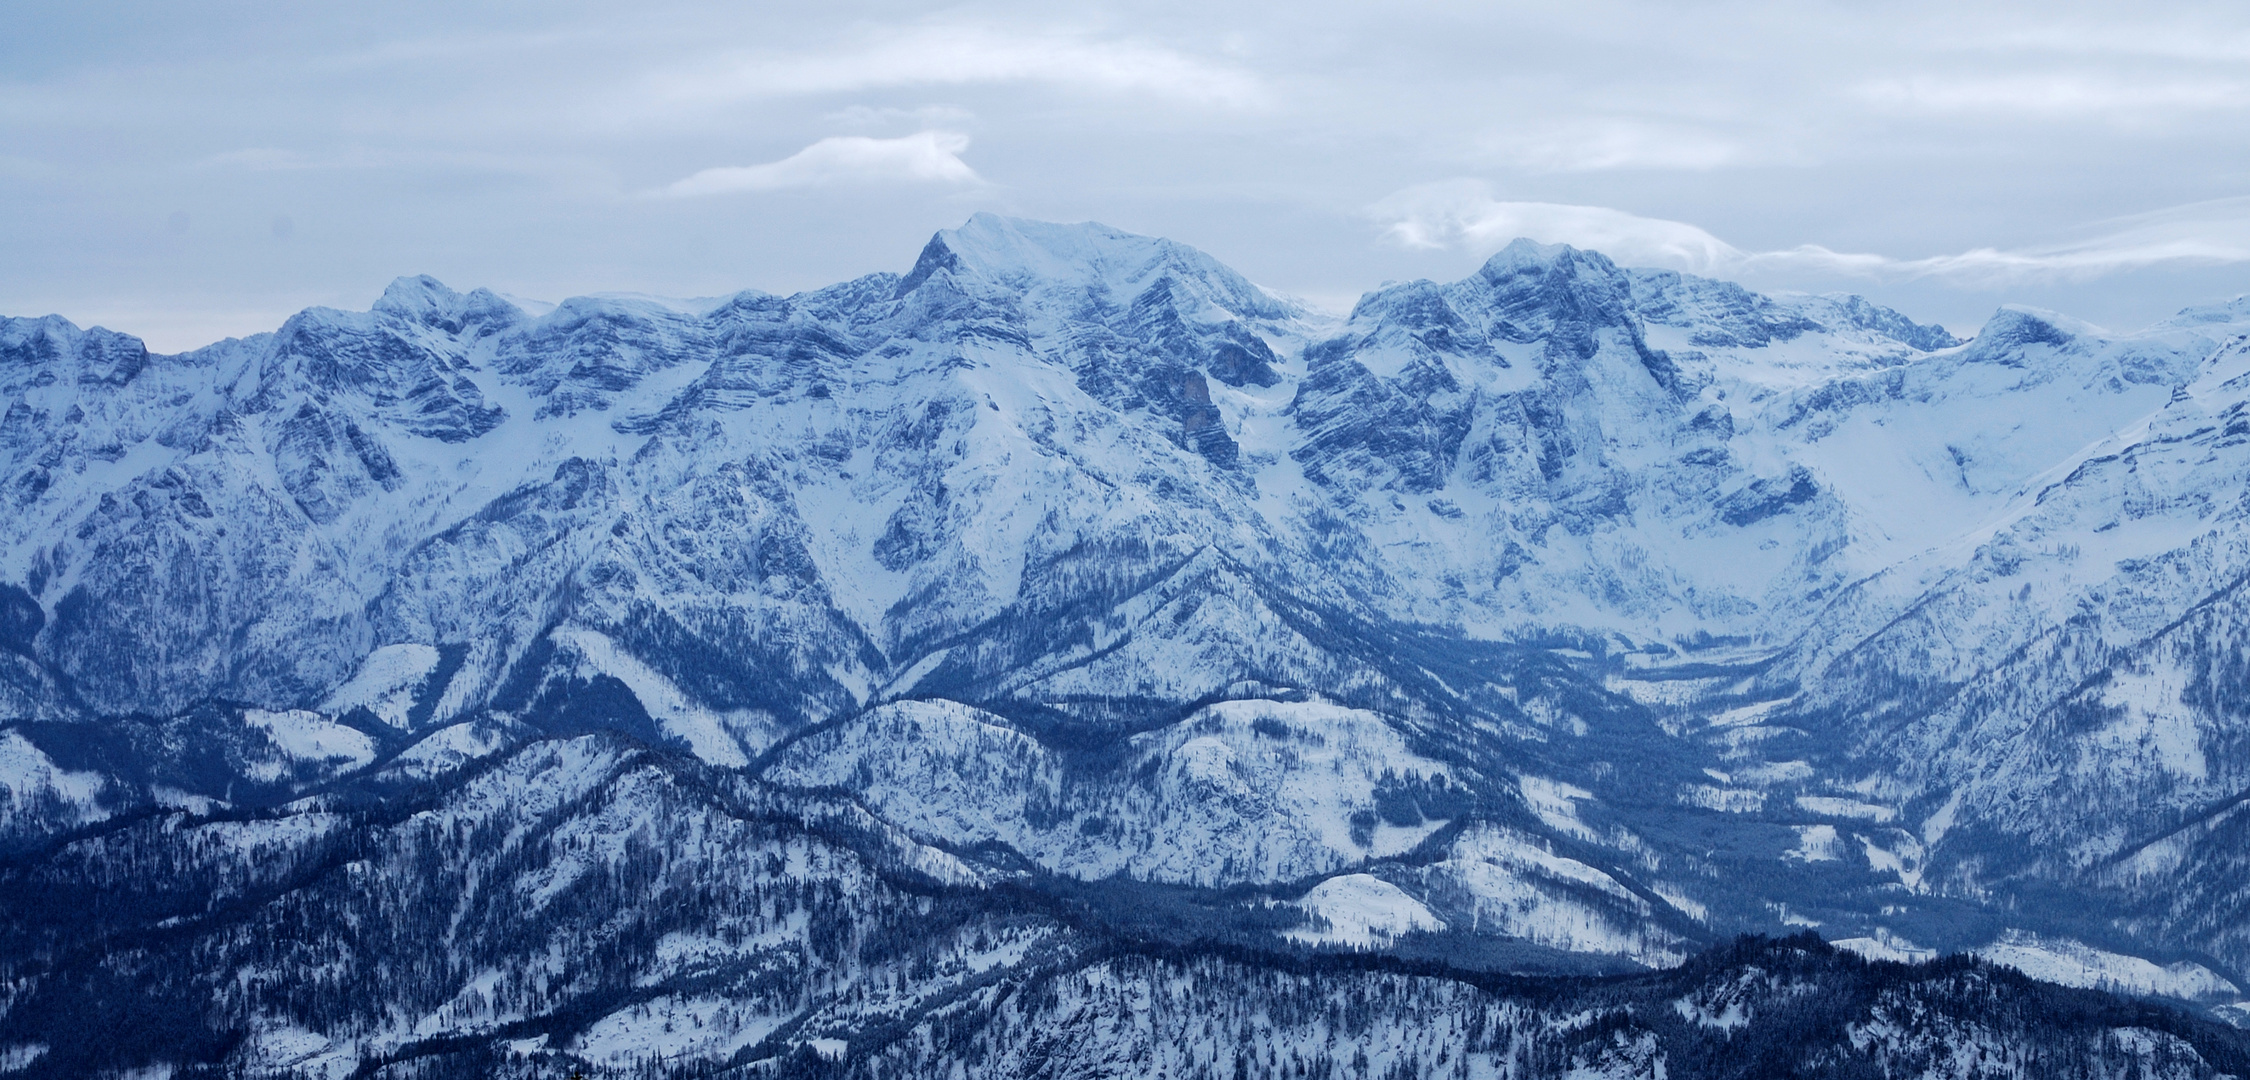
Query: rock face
(1071,590)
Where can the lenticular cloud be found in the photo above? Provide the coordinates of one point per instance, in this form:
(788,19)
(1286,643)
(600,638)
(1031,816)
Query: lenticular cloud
(924,157)
(1464,213)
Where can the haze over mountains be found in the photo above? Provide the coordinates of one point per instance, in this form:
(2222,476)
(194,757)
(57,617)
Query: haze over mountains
(833,681)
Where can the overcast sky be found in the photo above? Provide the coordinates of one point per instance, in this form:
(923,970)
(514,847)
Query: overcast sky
(192,171)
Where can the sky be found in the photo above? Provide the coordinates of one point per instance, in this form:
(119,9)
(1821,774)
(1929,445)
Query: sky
(188,172)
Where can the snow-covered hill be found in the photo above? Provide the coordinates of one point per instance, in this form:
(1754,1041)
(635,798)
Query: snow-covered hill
(1565,618)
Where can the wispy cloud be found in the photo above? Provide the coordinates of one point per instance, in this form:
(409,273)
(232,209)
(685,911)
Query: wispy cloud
(1594,145)
(924,157)
(2208,233)
(2057,94)
(2138,36)
(1465,214)
(968,55)
(872,118)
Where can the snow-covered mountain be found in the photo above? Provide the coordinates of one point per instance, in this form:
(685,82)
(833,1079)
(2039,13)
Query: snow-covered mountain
(1069,590)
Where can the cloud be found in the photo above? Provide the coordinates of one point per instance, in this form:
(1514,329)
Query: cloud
(2134,36)
(871,118)
(1464,213)
(924,157)
(2206,233)
(1594,145)
(967,55)
(2072,94)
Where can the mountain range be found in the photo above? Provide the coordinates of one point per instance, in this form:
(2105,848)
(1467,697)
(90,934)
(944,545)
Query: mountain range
(1070,636)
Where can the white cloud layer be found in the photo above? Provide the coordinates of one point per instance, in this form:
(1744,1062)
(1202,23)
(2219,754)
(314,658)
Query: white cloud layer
(2058,94)
(1465,213)
(924,157)
(1594,145)
(971,55)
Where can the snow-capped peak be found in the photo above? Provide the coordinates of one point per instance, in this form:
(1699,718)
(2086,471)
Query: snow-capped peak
(1016,255)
